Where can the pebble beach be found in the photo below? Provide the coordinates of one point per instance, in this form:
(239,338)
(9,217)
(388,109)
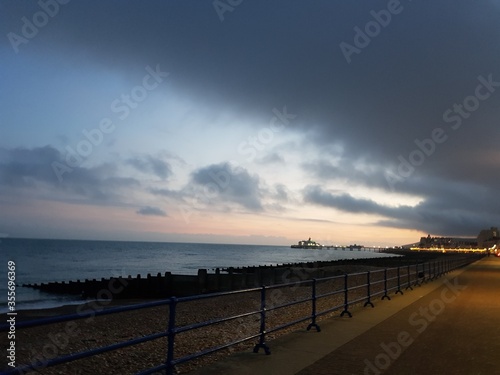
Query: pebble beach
(40,343)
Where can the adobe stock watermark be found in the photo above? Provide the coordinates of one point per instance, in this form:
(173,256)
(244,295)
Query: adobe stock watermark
(419,321)
(455,116)
(224,6)
(31,26)
(121,107)
(221,179)
(363,37)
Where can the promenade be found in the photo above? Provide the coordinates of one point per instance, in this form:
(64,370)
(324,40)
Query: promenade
(447,326)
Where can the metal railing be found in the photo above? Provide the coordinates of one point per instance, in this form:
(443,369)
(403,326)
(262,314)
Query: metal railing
(322,296)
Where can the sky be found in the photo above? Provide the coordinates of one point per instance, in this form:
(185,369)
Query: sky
(259,122)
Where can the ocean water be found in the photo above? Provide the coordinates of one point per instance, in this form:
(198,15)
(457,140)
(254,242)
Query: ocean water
(41,261)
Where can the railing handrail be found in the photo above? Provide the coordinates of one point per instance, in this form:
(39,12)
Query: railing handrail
(406,275)
(83,315)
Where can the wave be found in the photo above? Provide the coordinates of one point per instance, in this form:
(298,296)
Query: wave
(39,304)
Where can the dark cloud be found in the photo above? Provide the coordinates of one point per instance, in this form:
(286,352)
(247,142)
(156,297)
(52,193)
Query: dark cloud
(281,192)
(453,215)
(31,171)
(394,91)
(268,54)
(347,170)
(272,158)
(277,198)
(150,164)
(224,183)
(151,211)
(22,167)
(162,192)
(345,202)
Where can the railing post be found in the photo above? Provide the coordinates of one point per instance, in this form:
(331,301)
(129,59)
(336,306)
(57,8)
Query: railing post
(346,298)
(399,282)
(408,278)
(417,281)
(262,340)
(313,314)
(368,292)
(171,335)
(385,286)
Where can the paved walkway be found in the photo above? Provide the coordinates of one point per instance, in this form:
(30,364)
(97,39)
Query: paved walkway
(448,326)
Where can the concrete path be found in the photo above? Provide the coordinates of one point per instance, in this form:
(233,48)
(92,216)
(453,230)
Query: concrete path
(447,326)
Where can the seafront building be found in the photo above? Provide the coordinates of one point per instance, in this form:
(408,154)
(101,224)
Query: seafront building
(487,239)
(447,243)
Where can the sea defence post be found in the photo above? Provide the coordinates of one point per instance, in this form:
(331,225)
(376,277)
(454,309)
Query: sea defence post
(221,280)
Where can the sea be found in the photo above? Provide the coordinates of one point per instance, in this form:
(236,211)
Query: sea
(44,260)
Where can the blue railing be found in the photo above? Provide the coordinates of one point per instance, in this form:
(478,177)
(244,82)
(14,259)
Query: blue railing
(323,296)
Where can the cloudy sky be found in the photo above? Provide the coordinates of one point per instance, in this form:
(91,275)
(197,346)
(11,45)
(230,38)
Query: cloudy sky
(241,121)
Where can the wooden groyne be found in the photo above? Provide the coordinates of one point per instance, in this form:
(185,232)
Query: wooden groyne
(167,284)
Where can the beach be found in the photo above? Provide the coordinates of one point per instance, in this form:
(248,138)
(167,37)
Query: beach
(49,341)
(40,343)
(69,337)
